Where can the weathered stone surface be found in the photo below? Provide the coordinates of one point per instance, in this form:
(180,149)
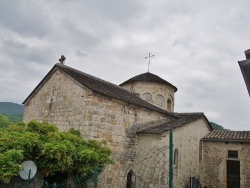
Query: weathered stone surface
(186,141)
(215,163)
(67,104)
(155,93)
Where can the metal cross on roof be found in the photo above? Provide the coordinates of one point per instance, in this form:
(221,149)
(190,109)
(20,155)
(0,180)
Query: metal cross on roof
(149,59)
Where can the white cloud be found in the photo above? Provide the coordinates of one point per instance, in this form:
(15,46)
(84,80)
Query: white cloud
(196,45)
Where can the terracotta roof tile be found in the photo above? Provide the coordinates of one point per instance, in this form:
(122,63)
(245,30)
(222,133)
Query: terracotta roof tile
(224,135)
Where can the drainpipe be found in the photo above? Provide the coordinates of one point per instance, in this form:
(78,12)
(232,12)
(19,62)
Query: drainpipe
(170,184)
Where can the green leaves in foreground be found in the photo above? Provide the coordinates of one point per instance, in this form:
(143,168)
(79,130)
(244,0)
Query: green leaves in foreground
(10,163)
(4,121)
(51,150)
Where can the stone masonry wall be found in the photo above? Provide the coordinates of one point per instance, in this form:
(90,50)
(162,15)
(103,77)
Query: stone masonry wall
(215,163)
(186,140)
(155,93)
(67,104)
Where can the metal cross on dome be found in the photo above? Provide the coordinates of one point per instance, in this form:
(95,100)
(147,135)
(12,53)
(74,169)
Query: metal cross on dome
(149,59)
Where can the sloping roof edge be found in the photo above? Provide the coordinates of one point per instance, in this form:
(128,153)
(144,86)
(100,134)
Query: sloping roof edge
(245,70)
(67,70)
(184,119)
(148,77)
(41,83)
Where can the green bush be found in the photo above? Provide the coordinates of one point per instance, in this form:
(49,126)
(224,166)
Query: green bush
(4,121)
(51,150)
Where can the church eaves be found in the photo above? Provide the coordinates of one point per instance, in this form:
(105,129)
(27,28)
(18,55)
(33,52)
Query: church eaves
(148,77)
(102,87)
(184,119)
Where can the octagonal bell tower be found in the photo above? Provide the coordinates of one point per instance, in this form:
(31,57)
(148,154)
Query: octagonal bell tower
(153,89)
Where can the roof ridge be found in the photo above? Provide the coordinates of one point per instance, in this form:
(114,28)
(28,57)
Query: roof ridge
(189,113)
(105,88)
(89,75)
(224,130)
(148,77)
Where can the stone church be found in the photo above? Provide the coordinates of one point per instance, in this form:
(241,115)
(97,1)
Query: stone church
(138,115)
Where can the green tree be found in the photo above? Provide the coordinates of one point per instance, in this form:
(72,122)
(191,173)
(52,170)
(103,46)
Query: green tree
(15,118)
(51,150)
(216,126)
(4,121)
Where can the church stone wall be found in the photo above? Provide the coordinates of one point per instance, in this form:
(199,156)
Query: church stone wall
(67,104)
(155,93)
(187,142)
(215,163)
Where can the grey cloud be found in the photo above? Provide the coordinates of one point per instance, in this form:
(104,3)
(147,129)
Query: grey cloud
(79,53)
(79,37)
(196,47)
(24,18)
(22,53)
(111,10)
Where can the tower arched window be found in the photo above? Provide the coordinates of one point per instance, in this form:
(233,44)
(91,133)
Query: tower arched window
(169,104)
(159,99)
(147,97)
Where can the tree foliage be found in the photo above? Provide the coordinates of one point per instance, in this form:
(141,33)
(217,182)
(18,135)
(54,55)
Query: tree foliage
(216,126)
(15,118)
(51,150)
(4,121)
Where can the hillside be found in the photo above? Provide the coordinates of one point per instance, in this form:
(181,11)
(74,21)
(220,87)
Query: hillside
(9,108)
(216,126)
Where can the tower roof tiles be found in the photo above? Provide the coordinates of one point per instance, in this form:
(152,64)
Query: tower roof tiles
(148,77)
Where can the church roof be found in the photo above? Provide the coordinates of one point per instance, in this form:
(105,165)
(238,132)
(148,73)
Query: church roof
(184,118)
(148,77)
(102,87)
(224,135)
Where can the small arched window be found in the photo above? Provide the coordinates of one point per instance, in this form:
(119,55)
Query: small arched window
(176,157)
(159,99)
(169,104)
(147,97)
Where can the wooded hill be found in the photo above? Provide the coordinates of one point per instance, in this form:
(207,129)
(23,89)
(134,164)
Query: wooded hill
(13,111)
(216,126)
(9,108)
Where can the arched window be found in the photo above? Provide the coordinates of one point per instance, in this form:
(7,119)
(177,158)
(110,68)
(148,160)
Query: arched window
(176,157)
(169,104)
(159,99)
(147,97)
(130,179)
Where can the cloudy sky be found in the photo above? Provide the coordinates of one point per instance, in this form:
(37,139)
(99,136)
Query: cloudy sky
(197,46)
